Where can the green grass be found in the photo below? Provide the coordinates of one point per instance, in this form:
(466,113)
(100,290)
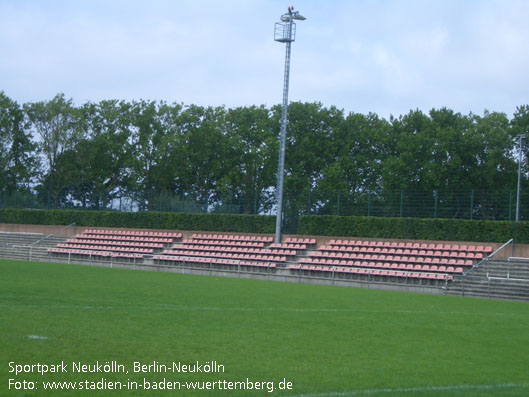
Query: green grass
(327,341)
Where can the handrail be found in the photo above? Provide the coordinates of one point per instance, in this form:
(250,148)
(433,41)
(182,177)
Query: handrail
(502,247)
(518,258)
(525,280)
(52,235)
(487,258)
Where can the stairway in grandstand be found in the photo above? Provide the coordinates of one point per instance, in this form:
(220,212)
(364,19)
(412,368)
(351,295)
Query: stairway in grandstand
(27,246)
(497,279)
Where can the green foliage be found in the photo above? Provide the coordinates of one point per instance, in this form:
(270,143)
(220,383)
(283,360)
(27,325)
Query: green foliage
(155,156)
(18,160)
(414,228)
(147,220)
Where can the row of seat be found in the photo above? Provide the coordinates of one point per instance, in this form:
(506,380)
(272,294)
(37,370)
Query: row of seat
(227,255)
(232,237)
(352,254)
(70,246)
(289,246)
(372,272)
(211,261)
(225,243)
(484,249)
(105,237)
(452,268)
(385,259)
(95,253)
(113,232)
(300,240)
(113,243)
(237,250)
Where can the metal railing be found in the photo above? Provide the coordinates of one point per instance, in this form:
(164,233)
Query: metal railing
(487,258)
(53,234)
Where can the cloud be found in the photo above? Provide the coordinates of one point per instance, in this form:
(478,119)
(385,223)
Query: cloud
(381,56)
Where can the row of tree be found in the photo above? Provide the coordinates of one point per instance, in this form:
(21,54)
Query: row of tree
(151,152)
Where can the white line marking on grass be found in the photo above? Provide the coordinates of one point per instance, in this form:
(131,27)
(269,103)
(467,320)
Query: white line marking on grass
(38,337)
(258,309)
(413,390)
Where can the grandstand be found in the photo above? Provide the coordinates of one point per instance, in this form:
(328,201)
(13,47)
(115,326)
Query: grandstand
(466,269)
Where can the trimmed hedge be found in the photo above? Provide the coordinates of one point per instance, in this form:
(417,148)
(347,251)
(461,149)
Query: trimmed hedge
(317,225)
(142,220)
(414,228)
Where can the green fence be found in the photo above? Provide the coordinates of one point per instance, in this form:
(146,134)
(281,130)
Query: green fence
(470,204)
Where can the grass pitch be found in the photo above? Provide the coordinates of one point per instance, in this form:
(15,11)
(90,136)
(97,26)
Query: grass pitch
(326,341)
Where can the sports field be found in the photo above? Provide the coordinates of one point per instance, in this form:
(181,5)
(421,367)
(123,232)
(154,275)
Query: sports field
(59,323)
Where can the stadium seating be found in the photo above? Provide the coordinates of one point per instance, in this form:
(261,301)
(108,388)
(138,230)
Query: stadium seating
(107,244)
(371,260)
(389,261)
(228,251)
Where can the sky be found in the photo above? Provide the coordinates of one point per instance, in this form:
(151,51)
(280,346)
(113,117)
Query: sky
(382,56)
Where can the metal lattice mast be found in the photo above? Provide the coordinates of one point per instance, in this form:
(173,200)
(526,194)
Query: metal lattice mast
(285,32)
(519,178)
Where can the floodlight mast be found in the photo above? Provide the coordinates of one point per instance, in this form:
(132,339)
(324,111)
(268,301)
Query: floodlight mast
(519,177)
(285,32)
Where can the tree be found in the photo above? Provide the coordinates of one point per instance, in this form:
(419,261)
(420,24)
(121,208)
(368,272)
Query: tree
(309,150)
(18,163)
(495,173)
(56,122)
(105,153)
(146,140)
(251,134)
(356,166)
(196,147)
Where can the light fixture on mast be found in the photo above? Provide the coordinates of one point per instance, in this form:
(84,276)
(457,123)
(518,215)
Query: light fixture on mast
(284,32)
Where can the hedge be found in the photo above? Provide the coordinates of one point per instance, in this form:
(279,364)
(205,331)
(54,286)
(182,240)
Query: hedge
(414,228)
(317,225)
(142,220)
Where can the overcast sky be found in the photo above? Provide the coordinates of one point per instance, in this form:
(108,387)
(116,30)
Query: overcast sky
(384,56)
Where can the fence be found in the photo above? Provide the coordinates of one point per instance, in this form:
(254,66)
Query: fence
(469,204)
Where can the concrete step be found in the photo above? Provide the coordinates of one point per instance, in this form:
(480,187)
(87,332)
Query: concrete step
(25,239)
(477,284)
(26,253)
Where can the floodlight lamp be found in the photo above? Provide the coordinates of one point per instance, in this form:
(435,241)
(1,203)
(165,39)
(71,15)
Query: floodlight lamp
(296,15)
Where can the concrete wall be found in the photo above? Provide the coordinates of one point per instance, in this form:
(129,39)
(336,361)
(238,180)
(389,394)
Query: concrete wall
(279,275)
